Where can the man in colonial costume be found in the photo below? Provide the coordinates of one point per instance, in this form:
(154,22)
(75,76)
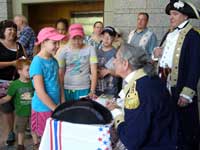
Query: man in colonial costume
(179,66)
(147,122)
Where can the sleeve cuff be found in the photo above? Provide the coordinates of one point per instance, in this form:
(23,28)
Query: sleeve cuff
(154,58)
(116,112)
(118,119)
(187,97)
(187,93)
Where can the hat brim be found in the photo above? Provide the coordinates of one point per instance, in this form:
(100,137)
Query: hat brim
(109,32)
(83,111)
(72,35)
(54,37)
(189,10)
(57,37)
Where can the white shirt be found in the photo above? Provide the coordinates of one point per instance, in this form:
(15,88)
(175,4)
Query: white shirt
(168,51)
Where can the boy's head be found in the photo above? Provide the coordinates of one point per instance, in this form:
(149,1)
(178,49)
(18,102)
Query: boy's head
(109,34)
(22,67)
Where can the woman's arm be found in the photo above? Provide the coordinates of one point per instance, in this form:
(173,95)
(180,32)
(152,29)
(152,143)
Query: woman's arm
(43,96)
(5,99)
(7,64)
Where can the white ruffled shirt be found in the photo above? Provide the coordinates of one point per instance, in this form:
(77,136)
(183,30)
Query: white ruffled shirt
(168,51)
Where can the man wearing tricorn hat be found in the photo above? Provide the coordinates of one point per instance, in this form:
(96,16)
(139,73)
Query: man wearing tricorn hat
(179,61)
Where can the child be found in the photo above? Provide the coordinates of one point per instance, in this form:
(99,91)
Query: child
(107,82)
(118,41)
(21,92)
(44,75)
(78,66)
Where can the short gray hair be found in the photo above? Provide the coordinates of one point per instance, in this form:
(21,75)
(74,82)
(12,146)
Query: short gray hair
(23,18)
(137,58)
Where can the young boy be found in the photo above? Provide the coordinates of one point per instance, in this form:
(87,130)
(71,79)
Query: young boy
(21,92)
(107,81)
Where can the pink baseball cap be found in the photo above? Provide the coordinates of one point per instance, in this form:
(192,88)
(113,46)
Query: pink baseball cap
(76,30)
(49,33)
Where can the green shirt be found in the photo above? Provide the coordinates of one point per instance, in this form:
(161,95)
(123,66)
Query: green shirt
(21,95)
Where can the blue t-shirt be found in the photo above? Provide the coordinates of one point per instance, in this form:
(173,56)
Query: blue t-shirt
(48,69)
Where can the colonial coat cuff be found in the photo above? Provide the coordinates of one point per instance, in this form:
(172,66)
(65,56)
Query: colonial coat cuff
(119,119)
(188,91)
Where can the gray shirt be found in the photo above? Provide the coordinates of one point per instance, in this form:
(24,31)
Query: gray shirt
(77,66)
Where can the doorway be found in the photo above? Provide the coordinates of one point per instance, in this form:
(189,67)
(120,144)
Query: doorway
(45,14)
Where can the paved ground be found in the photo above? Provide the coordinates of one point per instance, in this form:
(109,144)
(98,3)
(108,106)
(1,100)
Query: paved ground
(28,140)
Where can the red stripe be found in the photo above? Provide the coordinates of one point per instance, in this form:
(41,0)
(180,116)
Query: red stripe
(60,129)
(51,136)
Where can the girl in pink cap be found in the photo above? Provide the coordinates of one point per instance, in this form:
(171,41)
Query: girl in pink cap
(44,75)
(78,66)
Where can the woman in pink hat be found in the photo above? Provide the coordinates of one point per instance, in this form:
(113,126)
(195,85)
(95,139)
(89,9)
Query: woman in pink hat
(44,75)
(78,66)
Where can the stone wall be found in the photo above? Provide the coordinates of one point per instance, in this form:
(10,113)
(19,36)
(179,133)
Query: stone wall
(123,14)
(5,9)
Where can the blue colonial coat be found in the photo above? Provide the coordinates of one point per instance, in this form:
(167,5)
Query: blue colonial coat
(188,73)
(150,124)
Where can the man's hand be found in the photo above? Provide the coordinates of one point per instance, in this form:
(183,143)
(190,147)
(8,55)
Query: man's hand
(157,52)
(183,102)
(111,105)
(92,95)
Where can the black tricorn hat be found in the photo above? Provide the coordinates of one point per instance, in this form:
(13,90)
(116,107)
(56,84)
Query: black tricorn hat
(183,7)
(83,111)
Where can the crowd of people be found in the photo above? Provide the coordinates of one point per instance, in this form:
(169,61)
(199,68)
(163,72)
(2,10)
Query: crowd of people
(156,83)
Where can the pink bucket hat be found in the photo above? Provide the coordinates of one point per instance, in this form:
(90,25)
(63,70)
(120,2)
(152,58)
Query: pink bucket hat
(49,33)
(76,30)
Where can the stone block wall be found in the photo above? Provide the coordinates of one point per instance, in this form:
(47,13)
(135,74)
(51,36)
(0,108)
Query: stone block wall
(5,9)
(123,14)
